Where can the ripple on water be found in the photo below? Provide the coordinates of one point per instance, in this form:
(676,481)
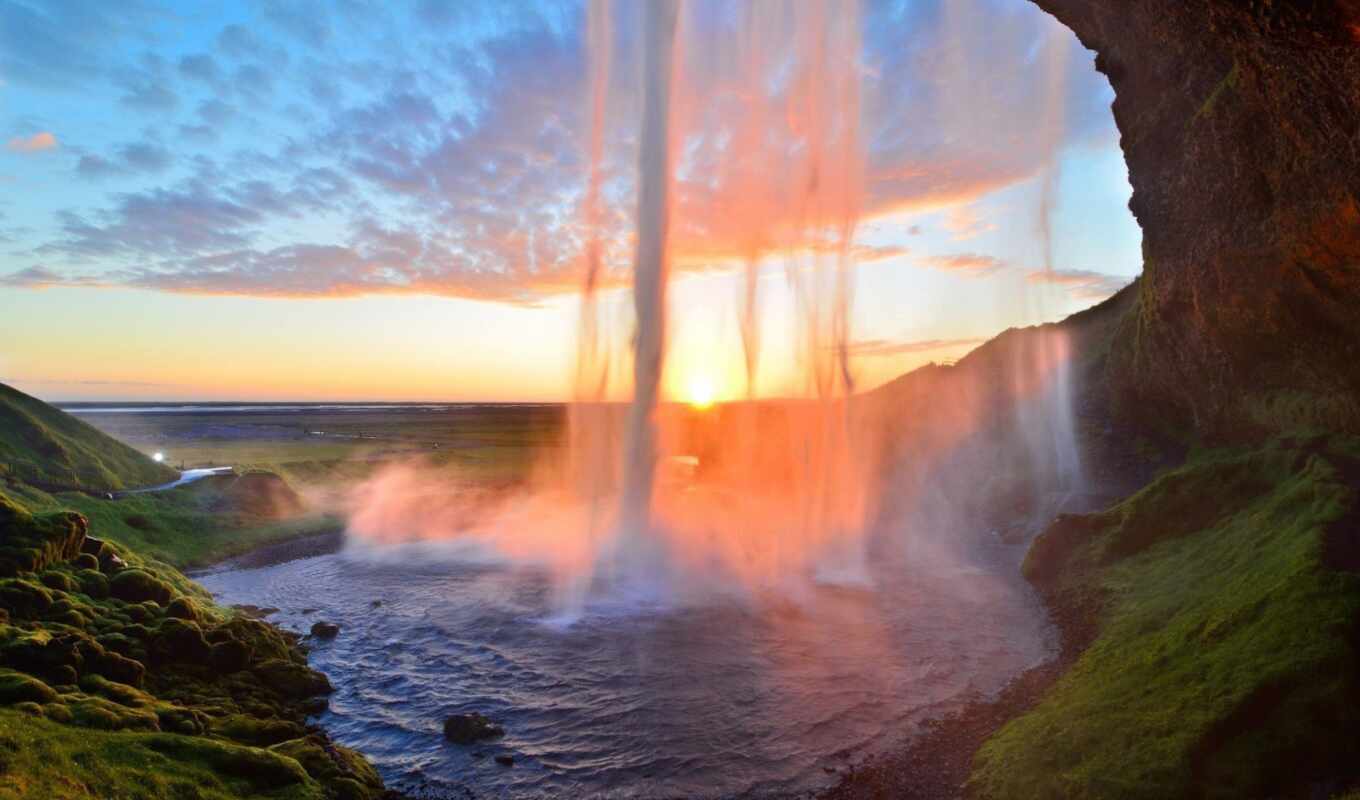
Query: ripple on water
(713,701)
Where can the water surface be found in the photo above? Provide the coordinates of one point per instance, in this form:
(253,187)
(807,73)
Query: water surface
(768,696)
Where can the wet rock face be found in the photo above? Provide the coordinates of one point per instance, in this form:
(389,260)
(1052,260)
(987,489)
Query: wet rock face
(1240,123)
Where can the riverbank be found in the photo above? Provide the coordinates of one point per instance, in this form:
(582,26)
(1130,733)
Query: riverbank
(1209,646)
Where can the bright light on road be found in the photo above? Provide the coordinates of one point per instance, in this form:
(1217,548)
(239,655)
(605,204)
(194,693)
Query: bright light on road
(159,457)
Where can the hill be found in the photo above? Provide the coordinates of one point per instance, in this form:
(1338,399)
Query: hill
(48,448)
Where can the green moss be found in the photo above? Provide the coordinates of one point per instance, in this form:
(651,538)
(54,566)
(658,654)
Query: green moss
(90,711)
(39,758)
(341,770)
(183,608)
(16,687)
(24,599)
(32,543)
(291,680)
(187,526)
(115,665)
(136,585)
(120,693)
(254,730)
(93,583)
(1224,662)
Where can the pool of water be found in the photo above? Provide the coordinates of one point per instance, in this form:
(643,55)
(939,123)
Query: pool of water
(728,696)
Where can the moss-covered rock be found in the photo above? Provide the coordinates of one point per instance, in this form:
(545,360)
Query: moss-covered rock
(120,667)
(230,656)
(89,711)
(120,693)
(256,731)
(179,641)
(341,770)
(104,649)
(263,768)
(24,599)
(291,680)
(16,687)
(93,582)
(32,543)
(60,581)
(183,608)
(137,585)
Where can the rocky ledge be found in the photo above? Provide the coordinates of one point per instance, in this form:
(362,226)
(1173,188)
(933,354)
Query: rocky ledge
(93,637)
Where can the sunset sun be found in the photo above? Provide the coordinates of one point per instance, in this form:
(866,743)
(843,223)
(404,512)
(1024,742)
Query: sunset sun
(701,392)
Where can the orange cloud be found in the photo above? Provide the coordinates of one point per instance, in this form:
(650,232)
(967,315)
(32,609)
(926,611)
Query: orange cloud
(33,144)
(967,263)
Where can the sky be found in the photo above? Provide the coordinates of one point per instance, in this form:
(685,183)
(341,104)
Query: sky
(382,201)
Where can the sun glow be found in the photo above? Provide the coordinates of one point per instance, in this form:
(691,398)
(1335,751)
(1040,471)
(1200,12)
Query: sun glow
(701,393)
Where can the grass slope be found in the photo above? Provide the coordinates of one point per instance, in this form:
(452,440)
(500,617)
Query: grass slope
(46,447)
(1220,604)
(193,525)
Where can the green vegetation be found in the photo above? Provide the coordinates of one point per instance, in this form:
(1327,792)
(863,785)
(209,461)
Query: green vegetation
(195,524)
(43,446)
(119,678)
(1220,605)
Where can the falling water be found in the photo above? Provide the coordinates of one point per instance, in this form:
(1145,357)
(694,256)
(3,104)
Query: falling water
(721,552)
(650,273)
(750,158)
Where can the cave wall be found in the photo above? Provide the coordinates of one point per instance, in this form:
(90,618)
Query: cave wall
(1240,123)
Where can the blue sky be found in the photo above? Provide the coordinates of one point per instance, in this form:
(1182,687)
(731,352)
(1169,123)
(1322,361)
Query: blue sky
(255,180)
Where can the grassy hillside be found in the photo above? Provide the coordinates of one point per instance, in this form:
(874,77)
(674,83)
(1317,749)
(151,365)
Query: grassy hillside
(1220,607)
(46,447)
(196,524)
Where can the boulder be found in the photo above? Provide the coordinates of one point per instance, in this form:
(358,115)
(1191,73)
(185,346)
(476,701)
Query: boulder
(230,656)
(182,608)
(93,582)
(118,667)
(291,680)
(24,599)
(32,543)
(469,728)
(137,585)
(325,630)
(179,641)
(59,581)
(16,687)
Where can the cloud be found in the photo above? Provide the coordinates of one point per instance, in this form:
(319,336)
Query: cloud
(1082,284)
(130,159)
(871,254)
(62,44)
(964,223)
(147,85)
(444,151)
(200,67)
(871,348)
(32,144)
(971,264)
(40,277)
